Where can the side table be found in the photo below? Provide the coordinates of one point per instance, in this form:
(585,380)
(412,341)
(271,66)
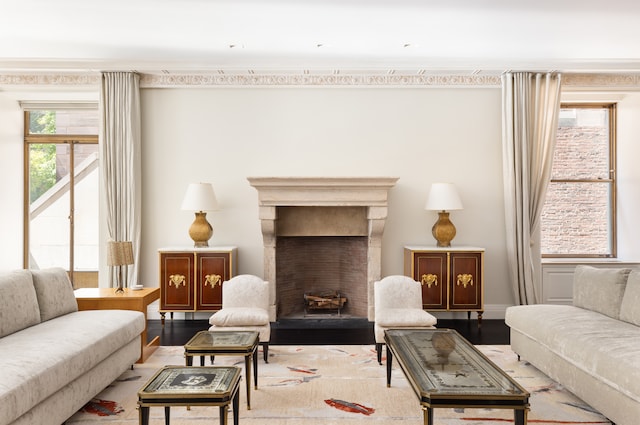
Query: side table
(108,299)
(226,343)
(191,386)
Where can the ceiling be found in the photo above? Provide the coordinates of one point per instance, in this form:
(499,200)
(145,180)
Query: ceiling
(319,36)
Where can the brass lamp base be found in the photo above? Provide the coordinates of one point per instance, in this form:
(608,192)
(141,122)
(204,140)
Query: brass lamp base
(200,230)
(443,231)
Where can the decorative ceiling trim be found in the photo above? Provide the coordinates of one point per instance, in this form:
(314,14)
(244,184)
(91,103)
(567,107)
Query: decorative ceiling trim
(190,80)
(570,81)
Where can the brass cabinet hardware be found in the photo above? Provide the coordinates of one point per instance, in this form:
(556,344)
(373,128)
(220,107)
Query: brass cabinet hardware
(464,280)
(177,280)
(213,280)
(429,279)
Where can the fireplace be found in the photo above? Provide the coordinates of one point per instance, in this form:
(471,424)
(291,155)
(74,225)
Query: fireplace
(322,235)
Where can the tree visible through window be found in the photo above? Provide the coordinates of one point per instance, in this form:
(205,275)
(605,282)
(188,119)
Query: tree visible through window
(578,218)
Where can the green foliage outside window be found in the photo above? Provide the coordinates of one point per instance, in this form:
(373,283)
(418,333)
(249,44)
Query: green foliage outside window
(42,156)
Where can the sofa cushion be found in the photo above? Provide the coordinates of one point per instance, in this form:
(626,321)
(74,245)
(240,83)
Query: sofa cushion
(599,289)
(606,348)
(42,359)
(240,316)
(18,302)
(54,292)
(630,307)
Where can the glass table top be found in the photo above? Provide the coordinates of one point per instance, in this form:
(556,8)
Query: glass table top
(187,381)
(441,363)
(222,339)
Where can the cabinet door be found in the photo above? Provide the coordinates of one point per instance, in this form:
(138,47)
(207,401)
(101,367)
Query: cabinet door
(466,281)
(430,269)
(212,270)
(176,281)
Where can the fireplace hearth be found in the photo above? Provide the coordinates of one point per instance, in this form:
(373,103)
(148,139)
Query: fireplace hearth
(322,234)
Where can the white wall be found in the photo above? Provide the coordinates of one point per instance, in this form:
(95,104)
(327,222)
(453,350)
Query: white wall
(224,135)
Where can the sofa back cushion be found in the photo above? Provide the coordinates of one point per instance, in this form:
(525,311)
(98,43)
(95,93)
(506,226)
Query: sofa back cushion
(630,307)
(54,292)
(18,302)
(599,289)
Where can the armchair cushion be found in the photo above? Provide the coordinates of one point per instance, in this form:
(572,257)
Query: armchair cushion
(240,316)
(390,317)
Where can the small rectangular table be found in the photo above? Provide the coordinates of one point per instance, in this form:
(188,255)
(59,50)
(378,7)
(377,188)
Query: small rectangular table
(191,386)
(226,343)
(109,299)
(446,370)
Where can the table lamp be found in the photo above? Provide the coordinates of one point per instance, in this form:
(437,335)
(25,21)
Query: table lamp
(119,253)
(200,197)
(443,197)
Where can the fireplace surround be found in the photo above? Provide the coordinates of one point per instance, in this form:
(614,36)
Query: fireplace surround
(335,208)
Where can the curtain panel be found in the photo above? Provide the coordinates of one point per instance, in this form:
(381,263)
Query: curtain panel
(530,109)
(121,162)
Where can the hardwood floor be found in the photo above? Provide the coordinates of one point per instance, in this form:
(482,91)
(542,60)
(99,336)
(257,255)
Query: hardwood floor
(329,331)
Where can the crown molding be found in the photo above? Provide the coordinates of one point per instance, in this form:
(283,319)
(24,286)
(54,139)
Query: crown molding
(570,81)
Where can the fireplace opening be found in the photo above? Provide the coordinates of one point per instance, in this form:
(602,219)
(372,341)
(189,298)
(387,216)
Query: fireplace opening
(321,267)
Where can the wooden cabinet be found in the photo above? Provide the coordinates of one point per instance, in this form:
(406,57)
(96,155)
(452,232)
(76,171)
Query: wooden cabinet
(191,279)
(451,278)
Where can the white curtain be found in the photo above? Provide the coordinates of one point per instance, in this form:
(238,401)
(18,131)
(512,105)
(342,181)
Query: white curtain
(530,109)
(121,161)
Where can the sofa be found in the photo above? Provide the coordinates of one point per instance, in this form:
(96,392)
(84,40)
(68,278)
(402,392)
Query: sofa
(54,358)
(591,347)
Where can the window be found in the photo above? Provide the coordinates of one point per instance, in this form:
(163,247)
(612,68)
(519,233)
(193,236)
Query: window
(578,218)
(61,192)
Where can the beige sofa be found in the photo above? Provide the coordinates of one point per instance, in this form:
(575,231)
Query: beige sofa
(53,358)
(591,347)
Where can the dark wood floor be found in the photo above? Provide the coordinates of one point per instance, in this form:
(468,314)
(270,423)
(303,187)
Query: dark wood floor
(329,331)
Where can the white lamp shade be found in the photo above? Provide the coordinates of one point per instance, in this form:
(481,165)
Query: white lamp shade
(443,197)
(200,197)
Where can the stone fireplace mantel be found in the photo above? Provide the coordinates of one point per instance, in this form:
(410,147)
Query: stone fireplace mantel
(371,193)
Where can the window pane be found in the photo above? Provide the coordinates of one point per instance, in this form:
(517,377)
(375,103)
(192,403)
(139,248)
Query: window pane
(49,205)
(576,219)
(64,121)
(582,144)
(86,202)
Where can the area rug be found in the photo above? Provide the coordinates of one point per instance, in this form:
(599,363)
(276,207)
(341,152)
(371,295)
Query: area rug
(333,384)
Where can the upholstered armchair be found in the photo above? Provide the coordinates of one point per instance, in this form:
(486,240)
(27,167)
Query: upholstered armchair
(398,304)
(245,307)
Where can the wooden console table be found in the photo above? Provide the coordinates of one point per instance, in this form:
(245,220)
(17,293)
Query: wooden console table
(108,299)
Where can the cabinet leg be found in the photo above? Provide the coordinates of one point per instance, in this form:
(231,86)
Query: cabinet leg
(480,318)
(162,318)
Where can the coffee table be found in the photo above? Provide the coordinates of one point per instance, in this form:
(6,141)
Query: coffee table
(191,386)
(226,343)
(447,371)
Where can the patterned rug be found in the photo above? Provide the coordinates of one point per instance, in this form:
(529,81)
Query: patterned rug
(330,385)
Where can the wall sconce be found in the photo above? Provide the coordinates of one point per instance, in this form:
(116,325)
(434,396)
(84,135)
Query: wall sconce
(200,197)
(443,197)
(119,254)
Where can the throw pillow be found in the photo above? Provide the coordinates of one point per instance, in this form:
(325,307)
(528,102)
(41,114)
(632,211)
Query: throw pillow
(54,292)
(18,302)
(599,289)
(630,308)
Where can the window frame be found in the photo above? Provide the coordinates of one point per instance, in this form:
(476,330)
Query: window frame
(612,107)
(54,139)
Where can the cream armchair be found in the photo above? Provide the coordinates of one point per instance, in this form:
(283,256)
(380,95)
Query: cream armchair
(398,304)
(245,307)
